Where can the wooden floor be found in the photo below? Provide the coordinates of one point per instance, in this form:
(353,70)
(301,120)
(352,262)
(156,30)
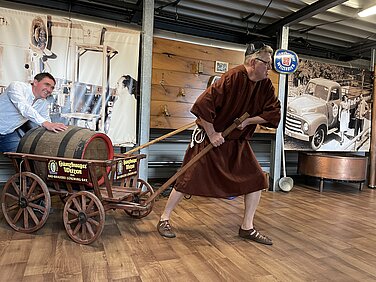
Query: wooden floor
(329,236)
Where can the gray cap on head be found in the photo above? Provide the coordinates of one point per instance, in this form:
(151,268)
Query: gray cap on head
(254,47)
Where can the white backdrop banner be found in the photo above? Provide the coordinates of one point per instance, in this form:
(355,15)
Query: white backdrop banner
(95,66)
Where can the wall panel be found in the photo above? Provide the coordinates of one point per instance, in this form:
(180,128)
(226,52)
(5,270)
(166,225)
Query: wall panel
(181,72)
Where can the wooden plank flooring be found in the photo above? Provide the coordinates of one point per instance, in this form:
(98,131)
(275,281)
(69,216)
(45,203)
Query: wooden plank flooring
(329,236)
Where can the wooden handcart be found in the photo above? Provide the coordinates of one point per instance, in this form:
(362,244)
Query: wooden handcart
(88,188)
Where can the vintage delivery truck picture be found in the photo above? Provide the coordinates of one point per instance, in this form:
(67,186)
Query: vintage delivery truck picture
(328,108)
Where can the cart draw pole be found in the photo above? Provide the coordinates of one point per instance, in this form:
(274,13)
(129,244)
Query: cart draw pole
(161,138)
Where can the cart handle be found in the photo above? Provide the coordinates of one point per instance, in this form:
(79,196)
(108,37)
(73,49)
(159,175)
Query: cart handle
(225,133)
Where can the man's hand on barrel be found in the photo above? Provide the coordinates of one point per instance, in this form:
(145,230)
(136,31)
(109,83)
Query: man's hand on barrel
(54,126)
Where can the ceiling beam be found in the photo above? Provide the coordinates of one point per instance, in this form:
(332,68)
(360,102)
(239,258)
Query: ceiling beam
(305,13)
(109,3)
(137,14)
(248,16)
(173,4)
(66,4)
(197,27)
(123,13)
(369,44)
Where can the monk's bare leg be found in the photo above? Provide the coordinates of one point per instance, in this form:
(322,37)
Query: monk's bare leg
(164,228)
(247,229)
(251,202)
(173,200)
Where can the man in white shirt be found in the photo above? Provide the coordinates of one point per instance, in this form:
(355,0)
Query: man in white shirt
(22,102)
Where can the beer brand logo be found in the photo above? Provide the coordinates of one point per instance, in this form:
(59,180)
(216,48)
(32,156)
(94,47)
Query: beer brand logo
(52,167)
(120,167)
(285,61)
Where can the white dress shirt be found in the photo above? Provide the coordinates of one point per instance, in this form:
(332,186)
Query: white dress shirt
(18,105)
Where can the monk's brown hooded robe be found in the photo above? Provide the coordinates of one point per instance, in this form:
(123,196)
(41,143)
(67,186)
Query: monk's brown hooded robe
(232,168)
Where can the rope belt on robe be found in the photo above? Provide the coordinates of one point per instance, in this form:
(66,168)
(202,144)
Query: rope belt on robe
(198,135)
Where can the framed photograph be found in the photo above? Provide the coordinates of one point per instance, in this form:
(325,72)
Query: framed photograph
(221,67)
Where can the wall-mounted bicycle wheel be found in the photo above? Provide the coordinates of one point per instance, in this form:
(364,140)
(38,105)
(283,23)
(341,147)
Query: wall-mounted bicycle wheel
(83,217)
(25,202)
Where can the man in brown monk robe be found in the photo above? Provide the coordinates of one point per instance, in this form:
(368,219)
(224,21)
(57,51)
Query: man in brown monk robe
(230,168)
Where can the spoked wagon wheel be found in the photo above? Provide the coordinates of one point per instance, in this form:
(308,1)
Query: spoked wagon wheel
(144,192)
(25,202)
(83,217)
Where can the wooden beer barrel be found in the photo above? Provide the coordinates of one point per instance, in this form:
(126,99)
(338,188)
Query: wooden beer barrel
(75,142)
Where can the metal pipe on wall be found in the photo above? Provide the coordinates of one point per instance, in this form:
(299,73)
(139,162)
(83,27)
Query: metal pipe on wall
(372,157)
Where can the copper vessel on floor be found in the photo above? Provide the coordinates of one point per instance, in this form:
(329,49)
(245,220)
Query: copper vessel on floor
(342,167)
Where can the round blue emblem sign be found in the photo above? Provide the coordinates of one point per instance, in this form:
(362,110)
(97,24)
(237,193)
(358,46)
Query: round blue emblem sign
(285,61)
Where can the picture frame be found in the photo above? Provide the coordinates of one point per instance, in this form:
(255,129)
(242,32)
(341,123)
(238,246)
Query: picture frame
(221,67)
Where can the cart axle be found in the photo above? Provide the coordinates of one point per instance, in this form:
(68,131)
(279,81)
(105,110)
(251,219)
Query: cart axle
(23,202)
(82,218)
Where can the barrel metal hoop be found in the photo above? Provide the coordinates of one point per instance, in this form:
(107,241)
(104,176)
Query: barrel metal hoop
(35,141)
(24,138)
(78,152)
(65,140)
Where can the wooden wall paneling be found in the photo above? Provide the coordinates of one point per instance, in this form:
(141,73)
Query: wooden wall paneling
(169,122)
(172,62)
(199,52)
(191,80)
(274,77)
(182,64)
(174,93)
(163,59)
(179,79)
(173,109)
(176,83)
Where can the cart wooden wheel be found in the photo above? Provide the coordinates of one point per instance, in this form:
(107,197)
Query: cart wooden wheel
(144,192)
(83,217)
(25,202)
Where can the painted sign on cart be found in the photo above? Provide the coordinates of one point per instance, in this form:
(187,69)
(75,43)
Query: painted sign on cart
(126,167)
(67,171)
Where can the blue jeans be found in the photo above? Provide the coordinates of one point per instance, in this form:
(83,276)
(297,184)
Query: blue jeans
(9,142)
